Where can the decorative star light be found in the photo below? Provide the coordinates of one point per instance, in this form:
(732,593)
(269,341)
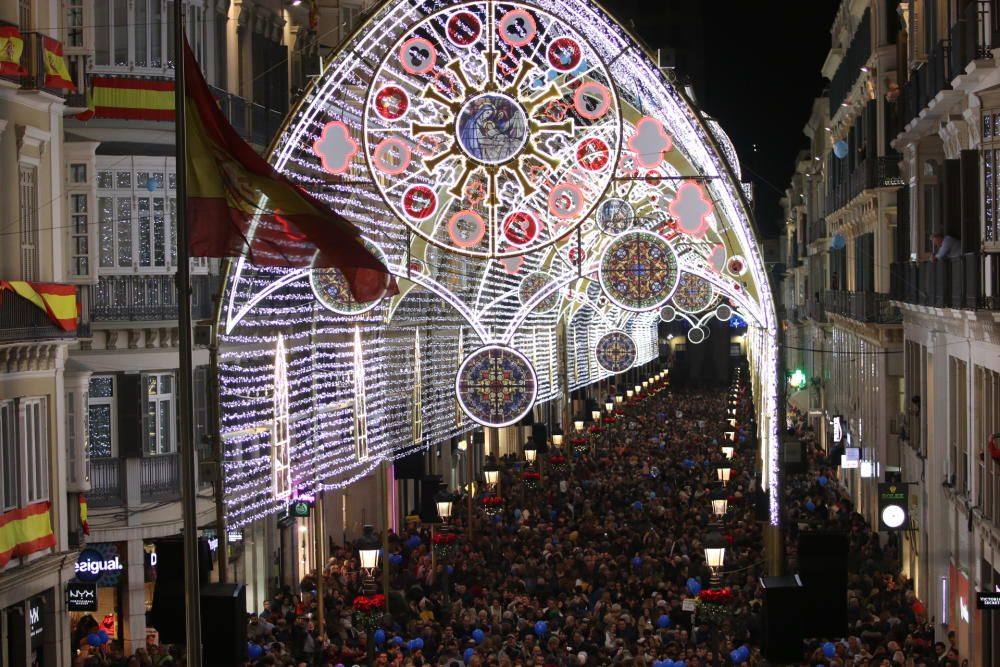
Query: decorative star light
(335,147)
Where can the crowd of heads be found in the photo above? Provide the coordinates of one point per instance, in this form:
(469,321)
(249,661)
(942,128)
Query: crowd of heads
(601,562)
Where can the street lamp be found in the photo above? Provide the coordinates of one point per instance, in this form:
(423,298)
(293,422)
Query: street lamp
(609,407)
(720,503)
(530,453)
(492,474)
(727,451)
(463,445)
(619,399)
(628,393)
(715,553)
(723,471)
(369,549)
(638,388)
(578,425)
(557,440)
(595,415)
(444,501)
(731,436)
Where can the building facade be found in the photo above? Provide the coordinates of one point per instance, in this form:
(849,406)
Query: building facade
(910,358)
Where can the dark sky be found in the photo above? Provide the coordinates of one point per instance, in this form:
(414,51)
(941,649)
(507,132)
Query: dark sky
(756,69)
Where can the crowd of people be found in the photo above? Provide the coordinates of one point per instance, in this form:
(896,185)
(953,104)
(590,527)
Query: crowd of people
(600,561)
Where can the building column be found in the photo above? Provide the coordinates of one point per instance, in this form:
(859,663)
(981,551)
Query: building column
(133,623)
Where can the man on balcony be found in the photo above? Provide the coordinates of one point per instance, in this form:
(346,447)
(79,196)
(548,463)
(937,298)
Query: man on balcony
(945,246)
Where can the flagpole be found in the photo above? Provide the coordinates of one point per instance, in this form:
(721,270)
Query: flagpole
(189,511)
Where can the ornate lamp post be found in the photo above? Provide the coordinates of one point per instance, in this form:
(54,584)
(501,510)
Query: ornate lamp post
(720,503)
(715,554)
(727,451)
(723,471)
(367,607)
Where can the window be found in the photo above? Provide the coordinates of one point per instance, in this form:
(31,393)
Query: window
(135,220)
(281,468)
(160,436)
(34,434)
(139,33)
(991,179)
(75,447)
(100,417)
(74,23)
(958,410)
(349,16)
(28,212)
(24,17)
(10,475)
(79,243)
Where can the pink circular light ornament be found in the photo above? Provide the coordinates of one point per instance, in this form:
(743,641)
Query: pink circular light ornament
(592,100)
(392,156)
(593,154)
(417,56)
(517,28)
(466,228)
(566,201)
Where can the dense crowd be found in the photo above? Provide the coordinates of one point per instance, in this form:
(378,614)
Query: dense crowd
(601,562)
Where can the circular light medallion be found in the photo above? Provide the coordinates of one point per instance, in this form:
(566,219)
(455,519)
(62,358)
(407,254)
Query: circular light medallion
(592,100)
(566,201)
(492,128)
(496,386)
(333,291)
(615,216)
(893,516)
(696,335)
(466,228)
(520,228)
(593,154)
(724,312)
(419,202)
(737,265)
(391,102)
(531,285)
(694,294)
(417,56)
(464,28)
(616,352)
(392,156)
(517,28)
(564,54)
(638,271)
(668,314)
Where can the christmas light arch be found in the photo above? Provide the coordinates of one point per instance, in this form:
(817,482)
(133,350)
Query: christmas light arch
(493,152)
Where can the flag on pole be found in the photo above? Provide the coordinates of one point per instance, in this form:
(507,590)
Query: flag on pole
(56,72)
(239,205)
(83,514)
(11,48)
(56,299)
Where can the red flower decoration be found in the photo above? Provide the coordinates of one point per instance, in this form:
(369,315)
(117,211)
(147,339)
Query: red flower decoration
(556,460)
(492,501)
(369,603)
(717,595)
(444,538)
(532,475)
(578,441)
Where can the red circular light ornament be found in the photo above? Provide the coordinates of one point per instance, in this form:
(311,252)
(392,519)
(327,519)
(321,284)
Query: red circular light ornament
(391,102)
(564,54)
(464,28)
(520,228)
(593,154)
(419,202)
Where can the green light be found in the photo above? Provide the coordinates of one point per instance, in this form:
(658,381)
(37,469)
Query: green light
(797,379)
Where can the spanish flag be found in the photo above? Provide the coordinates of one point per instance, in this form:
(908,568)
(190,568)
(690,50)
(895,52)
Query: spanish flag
(238,204)
(56,72)
(25,531)
(56,299)
(11,48)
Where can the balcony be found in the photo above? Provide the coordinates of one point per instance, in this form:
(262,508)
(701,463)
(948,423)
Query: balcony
(969,282)
(857,56)
(868,307)
(253,122)
(23,321)
(146,298)
(160,478)
(816,230)
(972,36)
(33,64)
(106,488)
(927,81)
(879,172)
(817,313)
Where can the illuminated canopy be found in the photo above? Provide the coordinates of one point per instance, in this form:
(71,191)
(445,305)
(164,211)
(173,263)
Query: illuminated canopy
(525,169)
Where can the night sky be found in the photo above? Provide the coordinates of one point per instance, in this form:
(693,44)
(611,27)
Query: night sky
(755,67)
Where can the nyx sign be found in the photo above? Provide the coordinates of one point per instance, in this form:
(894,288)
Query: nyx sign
(81,596)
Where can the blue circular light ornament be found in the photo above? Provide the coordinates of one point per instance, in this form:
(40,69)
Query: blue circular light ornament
(839,242)
(663,621)
(541,627)
(152,184)
(840,149)
(829,650)
(467,655)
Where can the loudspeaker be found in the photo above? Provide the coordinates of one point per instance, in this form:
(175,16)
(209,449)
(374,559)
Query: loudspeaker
(823,571)
(410,466)
(224,624)
(167,614)
(784,625)
(429,487)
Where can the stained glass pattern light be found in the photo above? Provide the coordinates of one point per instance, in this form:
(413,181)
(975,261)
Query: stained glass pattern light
(638,271)
(616,352)
(694,294)
(496,385)
(333,292)
(532,284)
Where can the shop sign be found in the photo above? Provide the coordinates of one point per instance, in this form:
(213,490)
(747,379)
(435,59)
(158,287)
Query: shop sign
(35,624)
(987,600)
(299,509)
(838,428)
(892,506)
(81,596)
(100,564)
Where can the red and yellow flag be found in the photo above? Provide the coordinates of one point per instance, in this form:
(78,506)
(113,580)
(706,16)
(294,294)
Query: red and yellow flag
(56,299)
(238,204)
(56,72)
(11,48)
(25,531)
(131,99)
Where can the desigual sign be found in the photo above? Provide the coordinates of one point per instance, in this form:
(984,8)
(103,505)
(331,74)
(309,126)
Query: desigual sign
(92,564)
